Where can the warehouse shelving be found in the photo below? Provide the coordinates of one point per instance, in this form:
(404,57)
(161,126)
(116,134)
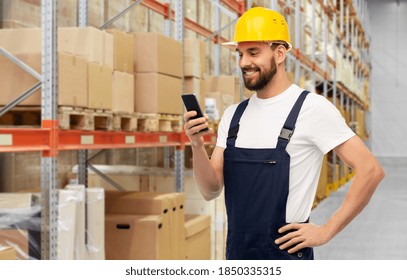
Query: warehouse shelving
(39,139)
(337,14)
(49,139)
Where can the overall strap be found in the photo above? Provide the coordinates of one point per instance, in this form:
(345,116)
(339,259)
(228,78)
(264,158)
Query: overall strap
(289,125)
(234,124)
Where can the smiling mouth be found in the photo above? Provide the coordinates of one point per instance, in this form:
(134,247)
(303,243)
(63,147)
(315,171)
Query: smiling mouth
(249,73)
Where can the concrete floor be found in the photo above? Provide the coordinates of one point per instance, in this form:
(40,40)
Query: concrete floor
(379,232)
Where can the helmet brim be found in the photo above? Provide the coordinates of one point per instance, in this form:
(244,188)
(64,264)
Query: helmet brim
(233,45)
(230,45)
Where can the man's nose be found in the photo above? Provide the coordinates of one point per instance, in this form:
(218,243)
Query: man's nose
(244,61)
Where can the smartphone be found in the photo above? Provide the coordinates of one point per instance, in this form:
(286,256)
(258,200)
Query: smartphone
(191,104)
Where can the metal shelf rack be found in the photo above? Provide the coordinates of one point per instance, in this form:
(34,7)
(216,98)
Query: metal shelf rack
(352,39)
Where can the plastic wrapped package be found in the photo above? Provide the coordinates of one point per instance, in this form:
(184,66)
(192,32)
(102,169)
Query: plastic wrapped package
(67,202)
(79,248)
(95,215)
(87,223)
(20,224)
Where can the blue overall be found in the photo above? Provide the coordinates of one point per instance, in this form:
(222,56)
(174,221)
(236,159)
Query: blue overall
(256,192)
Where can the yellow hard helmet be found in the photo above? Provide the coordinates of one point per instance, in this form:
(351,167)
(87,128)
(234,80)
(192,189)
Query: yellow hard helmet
(261,24)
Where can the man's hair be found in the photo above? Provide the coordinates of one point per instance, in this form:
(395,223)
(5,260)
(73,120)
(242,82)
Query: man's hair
(274,45)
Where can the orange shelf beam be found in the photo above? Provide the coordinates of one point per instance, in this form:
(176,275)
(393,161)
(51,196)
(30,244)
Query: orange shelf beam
(235,5)
(81,140)
(24,140)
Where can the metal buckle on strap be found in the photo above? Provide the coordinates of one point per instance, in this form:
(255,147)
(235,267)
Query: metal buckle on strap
(286,133)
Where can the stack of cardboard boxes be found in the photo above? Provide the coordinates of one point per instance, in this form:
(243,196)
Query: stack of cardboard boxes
(110,70)
(158,74)
(360,128)
(195,65)
(161,180)
(150,225)
(94,67)
(223,91)
(322,188)
(123,77)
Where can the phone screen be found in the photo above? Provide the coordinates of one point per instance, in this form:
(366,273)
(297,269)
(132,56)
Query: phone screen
(191,104)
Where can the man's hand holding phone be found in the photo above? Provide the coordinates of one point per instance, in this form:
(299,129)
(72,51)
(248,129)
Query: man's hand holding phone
(196,124)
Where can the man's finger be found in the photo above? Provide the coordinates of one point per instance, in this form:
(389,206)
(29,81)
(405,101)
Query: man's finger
(289,227)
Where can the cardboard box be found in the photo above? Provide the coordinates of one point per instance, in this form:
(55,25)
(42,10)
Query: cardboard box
(323,181)
(138,203)
(177,221)
(20,13)
(227,85)
(123,51)
(198,238)
(197,86)
(21,40)
(123,92)
(27,13)
(88,42)
(108,49)
(25,45)
(18,239)
(7,253)
(157,93)
(156,53)
(331,178)
(100,80)
(18,80)
(360,123)
(135,237)
(72,80)
(195,58)
(220,101)
(152,203)
(15,200)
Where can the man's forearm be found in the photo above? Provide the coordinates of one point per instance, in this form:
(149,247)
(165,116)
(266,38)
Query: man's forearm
(358,196)
(208,179)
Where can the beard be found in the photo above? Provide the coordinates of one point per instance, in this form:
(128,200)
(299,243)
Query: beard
(264,76)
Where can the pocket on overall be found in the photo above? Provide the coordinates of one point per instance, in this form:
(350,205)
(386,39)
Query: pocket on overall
(253,189)
(246,245)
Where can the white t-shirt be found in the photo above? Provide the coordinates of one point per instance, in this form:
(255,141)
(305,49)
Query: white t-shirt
(319,128)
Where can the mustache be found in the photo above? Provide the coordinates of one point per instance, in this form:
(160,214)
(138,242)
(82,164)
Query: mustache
(248,69)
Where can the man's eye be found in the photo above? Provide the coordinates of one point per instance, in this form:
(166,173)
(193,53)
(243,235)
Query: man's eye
(253,53)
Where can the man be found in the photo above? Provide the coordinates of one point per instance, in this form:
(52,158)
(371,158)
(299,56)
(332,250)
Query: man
(270,149)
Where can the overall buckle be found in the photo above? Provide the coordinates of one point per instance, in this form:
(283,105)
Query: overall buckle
(286,133)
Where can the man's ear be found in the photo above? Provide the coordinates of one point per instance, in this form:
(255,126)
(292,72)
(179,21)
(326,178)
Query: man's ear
(280,54)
